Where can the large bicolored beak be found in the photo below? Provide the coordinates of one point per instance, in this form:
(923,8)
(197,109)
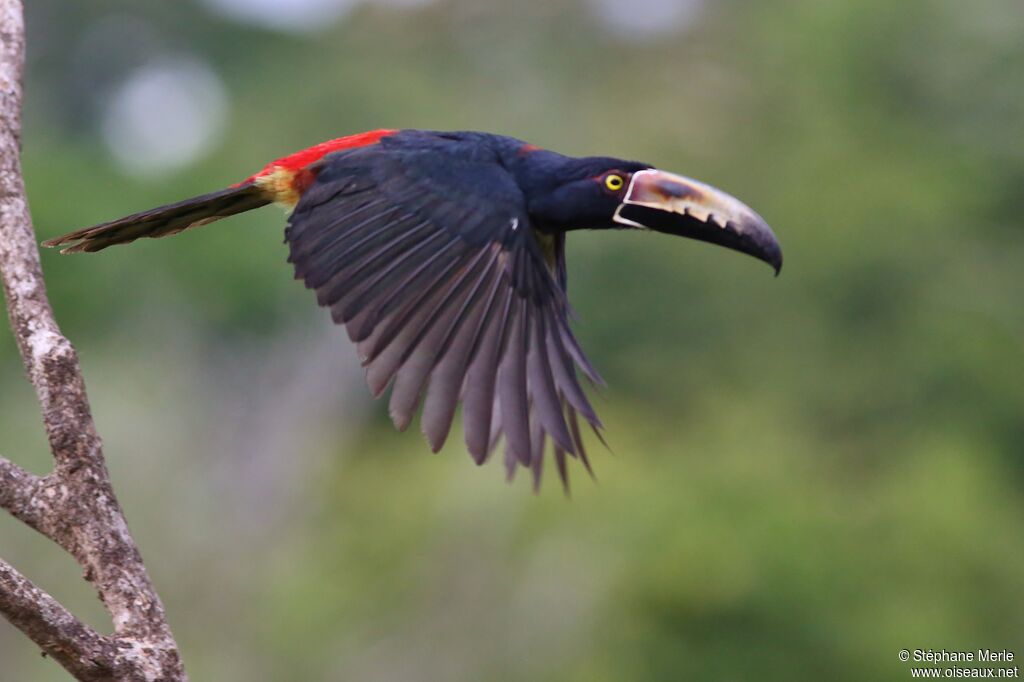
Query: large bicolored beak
(670,203)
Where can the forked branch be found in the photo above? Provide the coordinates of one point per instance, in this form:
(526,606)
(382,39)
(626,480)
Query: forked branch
(74,505)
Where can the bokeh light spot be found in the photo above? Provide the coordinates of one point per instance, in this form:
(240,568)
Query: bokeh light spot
(298,16)
(640,19)
(165,116)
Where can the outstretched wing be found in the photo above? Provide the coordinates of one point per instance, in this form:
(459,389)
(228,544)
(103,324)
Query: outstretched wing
(426,254)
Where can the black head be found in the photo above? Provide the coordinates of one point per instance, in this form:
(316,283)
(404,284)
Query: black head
(605,193)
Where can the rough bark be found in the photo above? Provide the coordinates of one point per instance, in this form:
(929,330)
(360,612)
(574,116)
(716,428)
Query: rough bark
(74,505)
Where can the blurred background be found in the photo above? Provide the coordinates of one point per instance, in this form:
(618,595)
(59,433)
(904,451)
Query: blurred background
(808,474)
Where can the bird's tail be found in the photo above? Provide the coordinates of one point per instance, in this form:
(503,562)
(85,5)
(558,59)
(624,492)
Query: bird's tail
(165,220)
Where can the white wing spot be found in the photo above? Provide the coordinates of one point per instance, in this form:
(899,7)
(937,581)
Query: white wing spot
(515,224)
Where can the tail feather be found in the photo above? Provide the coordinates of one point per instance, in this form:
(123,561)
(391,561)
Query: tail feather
(164,220)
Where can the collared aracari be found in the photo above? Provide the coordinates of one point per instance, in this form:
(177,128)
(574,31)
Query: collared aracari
(443,254)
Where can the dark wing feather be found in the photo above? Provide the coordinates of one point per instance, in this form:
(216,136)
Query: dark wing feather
(512,386)
(455,352)
(422,247)
(478,404)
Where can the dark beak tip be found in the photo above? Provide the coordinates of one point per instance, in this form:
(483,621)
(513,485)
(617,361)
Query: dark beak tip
(768,246)
(761,243)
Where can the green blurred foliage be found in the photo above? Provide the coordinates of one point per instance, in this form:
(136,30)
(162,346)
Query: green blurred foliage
(809,474)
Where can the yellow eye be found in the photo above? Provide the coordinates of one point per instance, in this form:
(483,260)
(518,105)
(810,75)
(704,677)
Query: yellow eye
(614,182)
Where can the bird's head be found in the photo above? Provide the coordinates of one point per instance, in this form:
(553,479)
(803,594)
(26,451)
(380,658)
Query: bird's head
(612,193)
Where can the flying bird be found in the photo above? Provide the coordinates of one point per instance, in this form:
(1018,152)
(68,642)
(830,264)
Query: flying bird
(443,255)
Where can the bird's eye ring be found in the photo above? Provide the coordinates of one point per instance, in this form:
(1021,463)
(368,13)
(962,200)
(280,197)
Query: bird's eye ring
(614,182)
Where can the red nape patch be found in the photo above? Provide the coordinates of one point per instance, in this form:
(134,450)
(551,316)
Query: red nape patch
(303,179)
(299,160)
(529,148)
